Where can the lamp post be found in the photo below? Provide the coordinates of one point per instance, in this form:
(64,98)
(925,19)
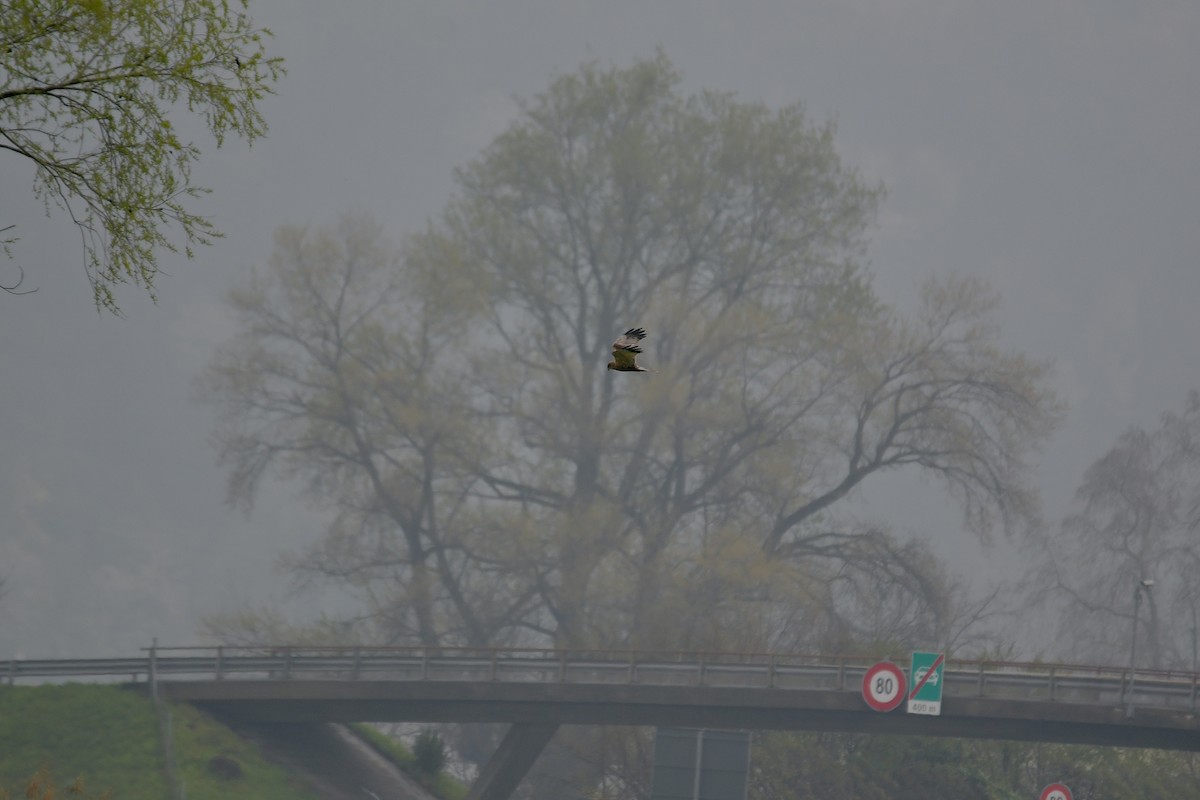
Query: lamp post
(1142,586)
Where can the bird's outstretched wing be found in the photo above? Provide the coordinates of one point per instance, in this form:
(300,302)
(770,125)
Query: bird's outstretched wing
(626,349)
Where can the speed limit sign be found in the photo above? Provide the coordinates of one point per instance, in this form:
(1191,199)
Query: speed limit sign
(883,686)
(1056,791)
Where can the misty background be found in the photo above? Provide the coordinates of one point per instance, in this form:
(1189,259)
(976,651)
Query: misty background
(1047,147)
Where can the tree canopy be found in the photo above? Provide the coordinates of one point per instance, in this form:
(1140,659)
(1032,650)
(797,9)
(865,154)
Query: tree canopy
(495,484)
(87,94)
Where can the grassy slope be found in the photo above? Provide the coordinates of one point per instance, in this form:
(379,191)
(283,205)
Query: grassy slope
(108,736)
(441,785)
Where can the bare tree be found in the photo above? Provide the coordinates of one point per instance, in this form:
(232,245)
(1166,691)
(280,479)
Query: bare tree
(1137,520)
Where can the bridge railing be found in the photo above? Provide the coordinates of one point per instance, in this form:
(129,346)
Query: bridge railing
(1067,683)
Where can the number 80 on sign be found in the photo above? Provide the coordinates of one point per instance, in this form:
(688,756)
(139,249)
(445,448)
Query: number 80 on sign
(883,686)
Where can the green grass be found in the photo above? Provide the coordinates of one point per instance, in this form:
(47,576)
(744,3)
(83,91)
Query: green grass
(199,739)
(442,785)
(103,734)
(108,736)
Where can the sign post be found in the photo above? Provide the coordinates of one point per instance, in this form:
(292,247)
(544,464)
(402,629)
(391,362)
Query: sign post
(1056,791)
(925,697)
(883,686)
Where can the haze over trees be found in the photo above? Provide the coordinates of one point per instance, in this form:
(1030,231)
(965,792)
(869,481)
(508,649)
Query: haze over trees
(87,95)
(802,765)
(494,484)
(1137,519)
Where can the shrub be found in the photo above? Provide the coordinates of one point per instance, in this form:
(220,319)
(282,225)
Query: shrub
(430,752)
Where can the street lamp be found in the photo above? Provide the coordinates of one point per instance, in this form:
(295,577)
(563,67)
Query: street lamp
(1142,586)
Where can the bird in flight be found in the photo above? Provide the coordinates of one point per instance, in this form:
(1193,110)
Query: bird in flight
(625,351)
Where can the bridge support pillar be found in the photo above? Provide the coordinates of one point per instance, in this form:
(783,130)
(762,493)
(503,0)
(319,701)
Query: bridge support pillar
(504,771)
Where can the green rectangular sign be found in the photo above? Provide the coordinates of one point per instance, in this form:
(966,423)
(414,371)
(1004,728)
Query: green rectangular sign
(925,683)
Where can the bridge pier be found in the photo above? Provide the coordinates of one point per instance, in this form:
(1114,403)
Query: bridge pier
(519,748)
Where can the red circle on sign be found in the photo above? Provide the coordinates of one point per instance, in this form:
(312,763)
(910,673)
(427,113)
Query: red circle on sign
(1049,793)
(883,686)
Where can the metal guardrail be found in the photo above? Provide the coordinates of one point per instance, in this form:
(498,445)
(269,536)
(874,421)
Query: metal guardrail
(1066,683)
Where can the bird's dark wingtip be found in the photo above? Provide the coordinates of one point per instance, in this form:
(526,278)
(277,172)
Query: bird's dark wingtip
(637,333)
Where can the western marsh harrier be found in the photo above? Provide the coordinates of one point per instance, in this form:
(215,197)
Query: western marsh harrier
(625,351)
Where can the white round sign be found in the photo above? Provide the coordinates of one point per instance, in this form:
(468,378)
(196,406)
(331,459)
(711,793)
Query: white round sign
(883,686)
(1056,791)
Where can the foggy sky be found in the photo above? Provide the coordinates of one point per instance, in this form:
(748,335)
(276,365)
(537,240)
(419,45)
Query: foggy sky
(1049,146)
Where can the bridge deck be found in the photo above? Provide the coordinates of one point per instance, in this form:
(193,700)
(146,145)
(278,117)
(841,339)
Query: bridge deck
(685,706)
(1042,702)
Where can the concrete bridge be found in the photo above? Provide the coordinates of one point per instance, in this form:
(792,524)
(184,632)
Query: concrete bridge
(535,691)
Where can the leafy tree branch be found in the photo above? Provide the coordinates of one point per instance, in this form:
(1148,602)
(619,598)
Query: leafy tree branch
(87,92)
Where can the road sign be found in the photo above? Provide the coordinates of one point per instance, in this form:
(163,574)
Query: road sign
(883,686)
(1056,791)
(925,697)
(690,763)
